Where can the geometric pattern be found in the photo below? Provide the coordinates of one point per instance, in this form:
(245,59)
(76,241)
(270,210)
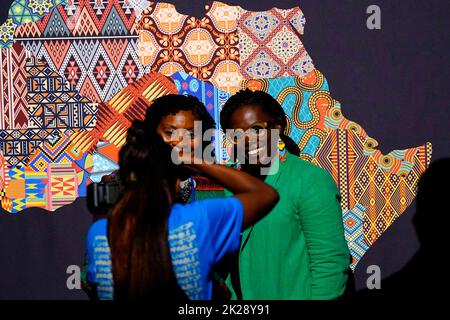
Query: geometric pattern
(205,48)
(78,74)
(13,199)
(17,145)
(54,103)
(62,185)
(269,45)
(306,101)
(105,159)
(55,112)
(35,185)
(115,116)
(24,11)
(354,232)
(375,188)
(213,99)
(105,154)
(54,109)
(4,176)
(91,43)
(13,88)
(375,191)
(7,33)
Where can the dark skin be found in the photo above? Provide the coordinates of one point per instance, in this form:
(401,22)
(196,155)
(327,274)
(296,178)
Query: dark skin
(244,118)
(257,198)
(181,120)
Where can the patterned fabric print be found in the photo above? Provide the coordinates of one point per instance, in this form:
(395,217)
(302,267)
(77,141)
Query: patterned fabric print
(17,145)
(185,262)
(55,112)
(114,118)
(55,106)
(4,176)
(13,88)
(62,187)
(7,33)
(306,101)
(213,99)
(24,11)
(269,45)
(105,159)
(13,199)
(54,103)
(139,6)
(375,188)
(59,182)
(91,43)
(206,49)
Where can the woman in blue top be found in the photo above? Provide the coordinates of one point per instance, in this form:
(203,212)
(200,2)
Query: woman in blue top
(160,248)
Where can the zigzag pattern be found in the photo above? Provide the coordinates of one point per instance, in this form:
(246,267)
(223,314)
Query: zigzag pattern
(13,88)
(115,116)
(93,44)
(375,188)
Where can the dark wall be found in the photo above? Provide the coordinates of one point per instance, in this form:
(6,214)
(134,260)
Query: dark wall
(392,81)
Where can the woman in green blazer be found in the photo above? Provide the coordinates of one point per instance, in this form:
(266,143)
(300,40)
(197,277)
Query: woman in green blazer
(298,251)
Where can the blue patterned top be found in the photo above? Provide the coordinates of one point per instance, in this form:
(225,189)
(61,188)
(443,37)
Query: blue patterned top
(200,235)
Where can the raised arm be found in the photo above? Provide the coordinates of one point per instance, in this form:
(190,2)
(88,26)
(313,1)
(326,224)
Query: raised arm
(257,197)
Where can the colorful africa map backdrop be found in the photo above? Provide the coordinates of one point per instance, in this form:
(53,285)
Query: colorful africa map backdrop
(75,73)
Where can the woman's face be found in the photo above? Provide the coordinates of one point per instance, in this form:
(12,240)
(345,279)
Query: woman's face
(253,117)
(183,120)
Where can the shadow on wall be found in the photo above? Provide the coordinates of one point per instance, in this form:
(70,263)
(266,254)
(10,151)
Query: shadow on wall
(33,265)
(425,275)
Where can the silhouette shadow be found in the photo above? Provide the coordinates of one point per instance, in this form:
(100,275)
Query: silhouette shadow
(425,274)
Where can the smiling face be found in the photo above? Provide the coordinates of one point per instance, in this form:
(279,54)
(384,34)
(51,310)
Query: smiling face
(251,117)
(183,120)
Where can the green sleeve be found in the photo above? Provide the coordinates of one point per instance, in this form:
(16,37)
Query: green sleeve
(321,220)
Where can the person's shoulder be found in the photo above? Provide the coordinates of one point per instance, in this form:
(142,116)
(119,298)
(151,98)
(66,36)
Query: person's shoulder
(201,209)
(307,169)
(97,230)
(185,212)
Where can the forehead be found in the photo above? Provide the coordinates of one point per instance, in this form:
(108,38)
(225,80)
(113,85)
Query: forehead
(246,115)
(181,119)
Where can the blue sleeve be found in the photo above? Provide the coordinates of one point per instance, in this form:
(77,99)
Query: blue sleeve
(225,218)
(97,229)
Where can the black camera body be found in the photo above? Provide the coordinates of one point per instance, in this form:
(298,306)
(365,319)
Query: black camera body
(102,196)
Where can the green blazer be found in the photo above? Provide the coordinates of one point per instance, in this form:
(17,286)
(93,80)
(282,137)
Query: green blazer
(298,251)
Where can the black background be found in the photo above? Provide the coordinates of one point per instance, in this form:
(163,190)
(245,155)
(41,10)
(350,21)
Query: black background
(393,82)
